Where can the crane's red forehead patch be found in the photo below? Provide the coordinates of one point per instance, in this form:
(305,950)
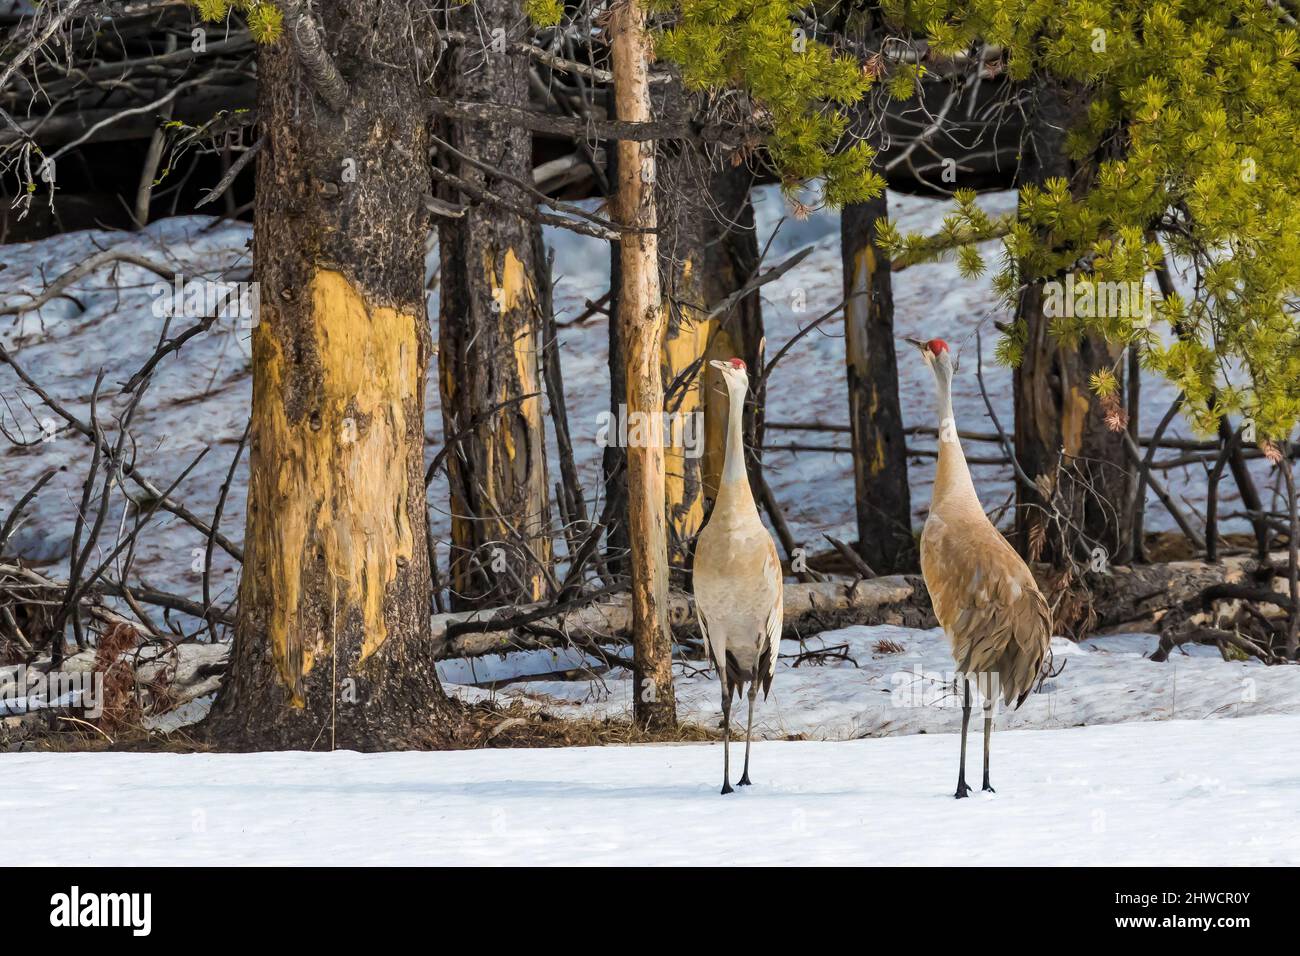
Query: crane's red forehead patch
(937,345)
(737,363)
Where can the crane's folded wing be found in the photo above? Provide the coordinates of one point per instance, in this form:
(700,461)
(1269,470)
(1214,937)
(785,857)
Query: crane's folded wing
(985,597)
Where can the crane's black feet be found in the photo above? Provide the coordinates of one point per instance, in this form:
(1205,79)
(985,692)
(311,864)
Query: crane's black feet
(963,790)
(988,787)
(743,781)
(727,788)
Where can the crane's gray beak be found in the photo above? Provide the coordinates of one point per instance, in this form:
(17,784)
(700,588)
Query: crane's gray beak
(922,347)
(719,365)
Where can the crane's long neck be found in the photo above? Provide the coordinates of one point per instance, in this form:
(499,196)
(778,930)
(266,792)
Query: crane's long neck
(734,491)
(952,476)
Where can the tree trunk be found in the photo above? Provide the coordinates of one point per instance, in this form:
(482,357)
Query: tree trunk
(614,460)
(884,503)
(707,251)
(490,340)
(731,258)
(680,178)
(1135,550)
(642,324)
(332,646)
(1058,418)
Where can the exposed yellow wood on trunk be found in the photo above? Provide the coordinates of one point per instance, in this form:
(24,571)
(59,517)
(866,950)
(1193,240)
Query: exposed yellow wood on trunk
(1074,416)
(352,452)
(683,345)
(513,287)
(518,426)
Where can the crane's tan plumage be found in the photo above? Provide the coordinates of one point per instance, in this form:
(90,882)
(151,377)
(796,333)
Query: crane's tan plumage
(984,596)
(737,580)
(738,595)
(983,593)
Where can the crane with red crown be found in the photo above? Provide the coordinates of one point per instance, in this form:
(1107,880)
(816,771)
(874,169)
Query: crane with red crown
(983,593)
(737,579)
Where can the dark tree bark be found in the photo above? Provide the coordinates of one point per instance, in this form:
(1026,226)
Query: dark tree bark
(1058,419)
(680,189)
(883,501)
(490,339)
(708,248)
(731,258)
(332,646)
(1135,549)
(614,460)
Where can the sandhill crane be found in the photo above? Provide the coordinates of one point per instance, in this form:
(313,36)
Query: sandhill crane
(737,578)
(983,593)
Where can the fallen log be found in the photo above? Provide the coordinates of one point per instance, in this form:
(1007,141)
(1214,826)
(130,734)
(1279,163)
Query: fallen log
(1136,598)
(809,607)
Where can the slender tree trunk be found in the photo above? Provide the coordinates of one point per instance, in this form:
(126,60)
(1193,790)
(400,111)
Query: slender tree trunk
(1058,419)
(1136,547)
(681,179)
(490,340)
(1293,553)
(642,325)
(731,258)
(1246,487)
(614,460)
(332,646)
(707,251)
(884,503)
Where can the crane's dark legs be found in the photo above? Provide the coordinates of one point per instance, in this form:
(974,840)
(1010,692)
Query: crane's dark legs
(962,789)
(749,729)
(988,735)
(726,738)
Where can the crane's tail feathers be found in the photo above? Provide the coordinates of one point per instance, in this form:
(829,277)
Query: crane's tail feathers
(738,677)
(1017,672)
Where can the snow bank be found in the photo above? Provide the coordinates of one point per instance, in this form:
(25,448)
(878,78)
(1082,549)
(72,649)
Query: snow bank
(1171,793)
(872,690)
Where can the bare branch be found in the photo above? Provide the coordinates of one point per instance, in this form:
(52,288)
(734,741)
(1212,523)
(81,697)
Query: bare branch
(235,169)
(38,41)
(55,288)
(309,44)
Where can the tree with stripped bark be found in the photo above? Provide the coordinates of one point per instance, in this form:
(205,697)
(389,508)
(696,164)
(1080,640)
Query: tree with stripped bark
(708,254)
(490,331)
(332,646)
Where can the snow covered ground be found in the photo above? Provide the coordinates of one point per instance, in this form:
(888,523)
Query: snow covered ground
(1180,792)
(894,681)
(201,395)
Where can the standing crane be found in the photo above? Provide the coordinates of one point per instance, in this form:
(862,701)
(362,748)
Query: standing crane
(737,577)
(983,593)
